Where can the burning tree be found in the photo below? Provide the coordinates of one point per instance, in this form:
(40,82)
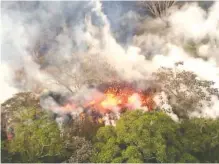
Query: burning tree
(186,92)
(103,105)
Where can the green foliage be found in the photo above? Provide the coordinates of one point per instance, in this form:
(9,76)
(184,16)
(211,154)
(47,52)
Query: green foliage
(138,137)
(200,137)
(37,139)
(5,156)
(188,158)
(154,137)
(77,135)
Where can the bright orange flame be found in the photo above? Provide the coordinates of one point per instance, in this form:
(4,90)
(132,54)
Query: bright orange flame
(133,98)
(110,101)
(119,98)
(92,102)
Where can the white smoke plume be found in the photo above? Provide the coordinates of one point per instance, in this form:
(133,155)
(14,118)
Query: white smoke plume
(66,34)
(192,24)
(6,89)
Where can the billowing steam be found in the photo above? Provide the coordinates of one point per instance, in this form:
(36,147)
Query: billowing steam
(73,48)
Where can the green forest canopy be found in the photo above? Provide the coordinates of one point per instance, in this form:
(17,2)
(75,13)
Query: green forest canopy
(137,137)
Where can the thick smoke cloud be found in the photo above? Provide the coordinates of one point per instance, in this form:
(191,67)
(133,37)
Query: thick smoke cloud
(60,32)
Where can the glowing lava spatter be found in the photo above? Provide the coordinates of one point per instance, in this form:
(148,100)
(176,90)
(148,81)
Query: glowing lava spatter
(117,98)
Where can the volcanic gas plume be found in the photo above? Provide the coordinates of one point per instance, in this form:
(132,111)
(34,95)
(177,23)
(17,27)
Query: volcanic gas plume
(114,98)
(117,98)
(66,47)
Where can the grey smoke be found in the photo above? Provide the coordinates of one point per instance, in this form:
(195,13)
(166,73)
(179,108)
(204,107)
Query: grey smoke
(73,31)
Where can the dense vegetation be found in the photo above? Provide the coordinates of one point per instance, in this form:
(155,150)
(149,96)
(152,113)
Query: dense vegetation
(155,137)
(137,137)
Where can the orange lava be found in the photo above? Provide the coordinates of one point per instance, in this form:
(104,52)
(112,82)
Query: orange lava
(117,98)
(121,98)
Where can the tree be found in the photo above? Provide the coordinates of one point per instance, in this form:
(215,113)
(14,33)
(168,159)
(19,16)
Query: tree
(186,92)
(200,138)
(138,137)
(6,157)
(77,135)
(80,70)
(37,139)
(82,127)
(154,137)
(157,9)
(106,146)
(19,101)
(80,148)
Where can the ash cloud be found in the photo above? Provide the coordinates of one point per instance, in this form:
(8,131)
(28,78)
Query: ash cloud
(64,36)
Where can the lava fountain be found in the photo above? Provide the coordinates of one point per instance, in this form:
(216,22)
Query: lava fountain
(116,98)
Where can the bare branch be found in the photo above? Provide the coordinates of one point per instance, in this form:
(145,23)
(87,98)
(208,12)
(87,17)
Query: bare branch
(157,8)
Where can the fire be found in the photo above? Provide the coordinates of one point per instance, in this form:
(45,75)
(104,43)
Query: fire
(116,98)
(107,105)
(133,98)
(110,101)
(119,98)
